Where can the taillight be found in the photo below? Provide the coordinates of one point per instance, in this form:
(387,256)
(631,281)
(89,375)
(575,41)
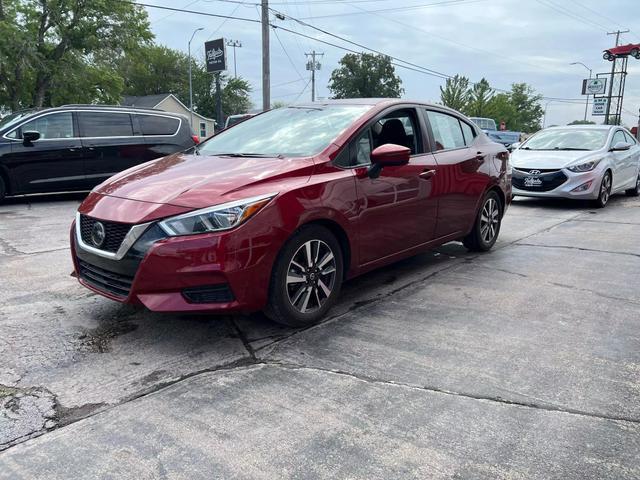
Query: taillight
(195,139)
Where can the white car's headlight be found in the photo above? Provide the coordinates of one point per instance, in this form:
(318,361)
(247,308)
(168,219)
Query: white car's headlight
(585,167)
(217,218)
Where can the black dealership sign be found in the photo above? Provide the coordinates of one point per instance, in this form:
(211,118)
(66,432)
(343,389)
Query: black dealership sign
(216,54)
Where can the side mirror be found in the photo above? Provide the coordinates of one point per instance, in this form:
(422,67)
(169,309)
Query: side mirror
(29,137)
(388,155)
(514,146)
(620,146)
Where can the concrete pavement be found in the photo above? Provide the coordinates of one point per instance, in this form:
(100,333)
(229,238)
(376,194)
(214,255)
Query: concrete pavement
(520,363)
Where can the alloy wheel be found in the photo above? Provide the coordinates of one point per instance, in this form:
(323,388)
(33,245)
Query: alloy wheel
(489,220)
(311,276)
(605,189)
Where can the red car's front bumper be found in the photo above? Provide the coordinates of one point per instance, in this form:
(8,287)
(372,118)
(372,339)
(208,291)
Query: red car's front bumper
(226,271)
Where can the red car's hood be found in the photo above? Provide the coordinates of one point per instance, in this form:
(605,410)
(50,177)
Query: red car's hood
(198,181)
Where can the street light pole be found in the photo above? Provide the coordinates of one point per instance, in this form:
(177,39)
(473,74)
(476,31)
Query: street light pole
(586,107)
(190,83)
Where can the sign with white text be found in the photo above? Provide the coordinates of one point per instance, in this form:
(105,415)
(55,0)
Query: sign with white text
(600,106)
(215,52)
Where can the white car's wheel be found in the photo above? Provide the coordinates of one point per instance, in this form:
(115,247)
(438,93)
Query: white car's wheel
(634,192)
(605,190)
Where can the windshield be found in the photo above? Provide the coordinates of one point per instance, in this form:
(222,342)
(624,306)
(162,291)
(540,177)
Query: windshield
(13,118)
(567,139)
(484,123)
(291,132)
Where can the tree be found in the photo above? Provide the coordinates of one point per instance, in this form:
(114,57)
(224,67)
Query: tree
(155,69)
(582,122)
(278,104)
(501,109)
(365,76)
(455,93)
(479,97)
(529,112)
(235,94)
(42,38)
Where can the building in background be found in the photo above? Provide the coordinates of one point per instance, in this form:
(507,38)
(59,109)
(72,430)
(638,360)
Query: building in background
(168,102)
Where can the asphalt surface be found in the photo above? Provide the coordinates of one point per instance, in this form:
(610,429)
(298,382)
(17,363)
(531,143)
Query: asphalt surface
(521,363)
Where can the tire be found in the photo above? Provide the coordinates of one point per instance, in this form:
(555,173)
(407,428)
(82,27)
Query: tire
(634,192)
(605,191)
(486,226)
(635,53)
(306,278)
(3,189)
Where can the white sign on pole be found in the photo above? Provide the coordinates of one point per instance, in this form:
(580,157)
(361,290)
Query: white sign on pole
(600,106)
(594,86)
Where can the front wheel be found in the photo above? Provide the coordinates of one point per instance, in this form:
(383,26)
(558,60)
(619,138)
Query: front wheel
(605,191)
(306,278)
(635,53)
(487,225)
(634,192)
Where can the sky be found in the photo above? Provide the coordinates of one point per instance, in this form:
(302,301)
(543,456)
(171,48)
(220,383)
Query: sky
(504,41)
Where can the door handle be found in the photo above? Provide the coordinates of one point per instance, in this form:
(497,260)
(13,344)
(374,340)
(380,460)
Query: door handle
(480,156)
(427,174)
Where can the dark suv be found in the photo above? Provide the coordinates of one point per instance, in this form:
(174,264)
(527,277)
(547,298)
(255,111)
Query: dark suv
(76,147)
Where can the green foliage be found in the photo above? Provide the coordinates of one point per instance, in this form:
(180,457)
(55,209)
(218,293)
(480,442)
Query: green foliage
(43,40)
(519,108)
(155,69)
(479,97)
(278,104)
(235,95)
(455,93)
(582,122)
(365,76)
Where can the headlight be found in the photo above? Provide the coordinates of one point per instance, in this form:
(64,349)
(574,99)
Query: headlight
(217,218)
(584,167)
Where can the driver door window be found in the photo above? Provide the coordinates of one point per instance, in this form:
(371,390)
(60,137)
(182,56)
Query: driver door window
(54,126)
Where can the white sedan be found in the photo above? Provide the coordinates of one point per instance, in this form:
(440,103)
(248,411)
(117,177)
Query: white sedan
(582,162)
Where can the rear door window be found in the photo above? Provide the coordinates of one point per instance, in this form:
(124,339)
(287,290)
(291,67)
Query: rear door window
(447,131)
(156,125)
(54,126)
(107,124)
(468,132)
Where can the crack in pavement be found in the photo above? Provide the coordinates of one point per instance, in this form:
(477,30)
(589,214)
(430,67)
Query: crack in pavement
(496,399)
(583,249)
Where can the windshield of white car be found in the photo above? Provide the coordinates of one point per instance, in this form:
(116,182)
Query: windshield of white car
(567,139)
(290,132)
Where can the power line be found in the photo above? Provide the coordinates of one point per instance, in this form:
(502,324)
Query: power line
(570,14)
(287,53)
(417,68)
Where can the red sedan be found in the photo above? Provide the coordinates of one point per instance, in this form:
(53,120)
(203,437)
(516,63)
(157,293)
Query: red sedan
(274,213)
(632,49)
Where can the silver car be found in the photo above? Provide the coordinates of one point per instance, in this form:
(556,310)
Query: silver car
(583,162)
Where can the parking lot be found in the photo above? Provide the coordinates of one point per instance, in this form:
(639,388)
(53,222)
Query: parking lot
(520,363)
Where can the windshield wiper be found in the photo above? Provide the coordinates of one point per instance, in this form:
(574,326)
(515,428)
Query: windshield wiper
(242,155)
(571,148)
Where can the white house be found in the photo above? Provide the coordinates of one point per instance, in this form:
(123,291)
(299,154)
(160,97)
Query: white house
(168,102)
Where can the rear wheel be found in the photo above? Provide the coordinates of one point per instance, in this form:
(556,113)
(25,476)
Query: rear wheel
(635,53)
(487,225)
(605,191)
(306,278)
(634,192)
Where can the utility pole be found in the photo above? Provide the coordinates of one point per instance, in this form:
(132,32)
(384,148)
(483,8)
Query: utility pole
(313,65)
(266,71)
(613,72)
(234,44)
(218,101)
